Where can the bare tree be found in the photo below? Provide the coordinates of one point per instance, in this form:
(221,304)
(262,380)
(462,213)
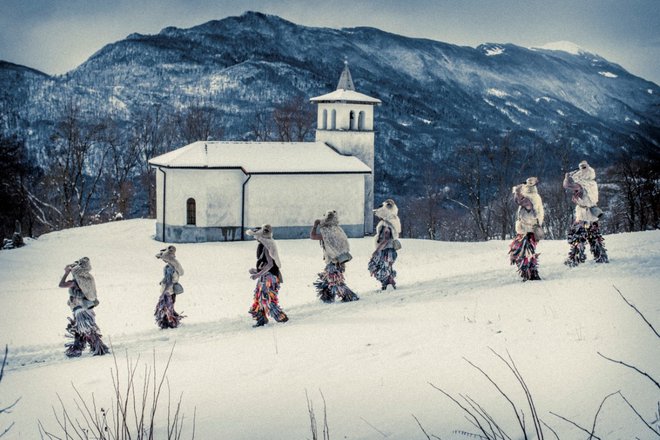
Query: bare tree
(639,185)
(423,213)
(77,163)
(152,134)
(261,127)
(474,183)
(198,123)
(124,159)
(294,120)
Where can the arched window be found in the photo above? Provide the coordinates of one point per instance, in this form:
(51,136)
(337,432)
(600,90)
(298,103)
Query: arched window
(333,120)
(324,122)
(351,117)
(191,212)
(361,121)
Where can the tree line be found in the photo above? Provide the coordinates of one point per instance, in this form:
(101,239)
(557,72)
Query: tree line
(467,195)
(94,168)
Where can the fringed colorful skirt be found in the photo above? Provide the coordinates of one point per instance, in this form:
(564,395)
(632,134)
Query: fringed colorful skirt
(83,330)
(522,253)
(578,237)
(330,284)
(165,315)
(266,301)
(380,267)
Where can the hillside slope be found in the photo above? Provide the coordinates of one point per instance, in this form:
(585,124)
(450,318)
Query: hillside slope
(373,359)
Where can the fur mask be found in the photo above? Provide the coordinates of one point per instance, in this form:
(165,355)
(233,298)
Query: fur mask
(264,235)
(584,173)
(168,255)
(265,231)
(80,271)
(389,212)
(330,219)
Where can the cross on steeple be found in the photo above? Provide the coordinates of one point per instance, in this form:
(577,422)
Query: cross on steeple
(345,80)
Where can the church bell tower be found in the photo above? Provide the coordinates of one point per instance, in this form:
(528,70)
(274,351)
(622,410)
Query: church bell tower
(345,121)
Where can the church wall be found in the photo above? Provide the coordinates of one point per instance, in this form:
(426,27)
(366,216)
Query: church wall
(291,203)
(217,195)
(361,145)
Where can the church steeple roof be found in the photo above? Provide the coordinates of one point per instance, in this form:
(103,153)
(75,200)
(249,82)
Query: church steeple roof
(346,91)
(345,80)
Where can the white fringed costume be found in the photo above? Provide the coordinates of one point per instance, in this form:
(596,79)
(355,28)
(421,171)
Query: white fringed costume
(585,227)
(165,315)
(82,326)
(529,226)
(269,278)
(336,253)
(387,235)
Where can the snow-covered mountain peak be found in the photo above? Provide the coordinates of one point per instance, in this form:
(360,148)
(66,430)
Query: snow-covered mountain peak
(564,46)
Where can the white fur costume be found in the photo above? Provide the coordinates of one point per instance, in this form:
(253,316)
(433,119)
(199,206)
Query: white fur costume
(80,271)
(335,242)
(389,215)
(585,176)
(526,220)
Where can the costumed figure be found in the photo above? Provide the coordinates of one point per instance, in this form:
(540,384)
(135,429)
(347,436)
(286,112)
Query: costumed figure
(268,276)
(82,327)
(333,240)
(166,316)
(585,228)
(387,243)
(529,229)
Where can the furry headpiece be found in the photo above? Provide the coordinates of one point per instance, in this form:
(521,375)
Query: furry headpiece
(585,176)
(80,271)
(530,191)
(168,255)
(330,219)
(389,212)
(335,241)
(584,173)
(264,235)
(264,231)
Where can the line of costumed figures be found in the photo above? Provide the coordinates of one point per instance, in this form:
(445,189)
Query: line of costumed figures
(331,285)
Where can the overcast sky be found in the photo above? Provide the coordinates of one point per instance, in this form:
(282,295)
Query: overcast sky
(55,36)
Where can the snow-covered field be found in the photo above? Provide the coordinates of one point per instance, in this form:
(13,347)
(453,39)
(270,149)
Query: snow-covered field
(373,360)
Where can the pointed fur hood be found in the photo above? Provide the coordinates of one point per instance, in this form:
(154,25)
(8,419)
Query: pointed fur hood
(264,235)
(80,270)
(168,255)
(389,215)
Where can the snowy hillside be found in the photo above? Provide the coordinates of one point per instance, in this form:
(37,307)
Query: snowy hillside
(373,359)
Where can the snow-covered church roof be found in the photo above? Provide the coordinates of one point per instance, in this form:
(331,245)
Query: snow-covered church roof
(262,158)
(346,91)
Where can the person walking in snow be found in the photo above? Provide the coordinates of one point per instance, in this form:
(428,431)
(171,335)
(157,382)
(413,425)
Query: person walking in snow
(334,242)
(529,229)
(585,227)
(82,327)
(387,243)
(166,316)
(268,276)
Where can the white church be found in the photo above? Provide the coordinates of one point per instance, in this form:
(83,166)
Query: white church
(215,191)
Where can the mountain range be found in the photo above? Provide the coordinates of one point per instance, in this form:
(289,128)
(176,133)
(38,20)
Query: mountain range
(436,96)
